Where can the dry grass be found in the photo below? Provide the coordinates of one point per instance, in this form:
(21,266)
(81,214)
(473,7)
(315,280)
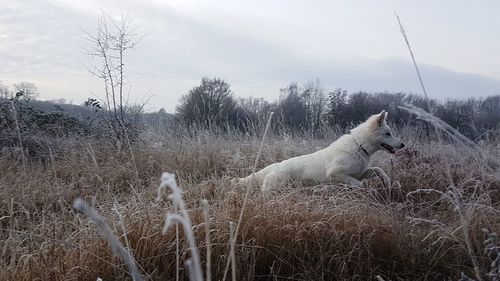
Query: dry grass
(408,232)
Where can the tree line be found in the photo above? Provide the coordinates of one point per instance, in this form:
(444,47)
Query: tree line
(310,108)
(21,91)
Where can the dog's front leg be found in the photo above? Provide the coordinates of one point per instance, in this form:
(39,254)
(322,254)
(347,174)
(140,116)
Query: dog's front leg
(341,178)
(351,181)
(376,171)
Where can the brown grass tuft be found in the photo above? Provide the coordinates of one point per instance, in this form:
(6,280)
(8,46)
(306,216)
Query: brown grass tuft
(325,232)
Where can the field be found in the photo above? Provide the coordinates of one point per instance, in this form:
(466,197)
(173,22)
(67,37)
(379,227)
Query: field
(431,226)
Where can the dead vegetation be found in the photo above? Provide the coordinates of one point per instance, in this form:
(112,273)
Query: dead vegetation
(411,231)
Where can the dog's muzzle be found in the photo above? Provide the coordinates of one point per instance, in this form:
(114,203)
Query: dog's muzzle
(390,148)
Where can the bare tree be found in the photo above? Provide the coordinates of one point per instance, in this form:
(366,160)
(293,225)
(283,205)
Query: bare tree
(26,90)
(111,42)
(294,107)
(4,91)
(303,107)
(316,103)
(337,104)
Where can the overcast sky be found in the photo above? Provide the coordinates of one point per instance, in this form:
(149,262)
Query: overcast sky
(258,46)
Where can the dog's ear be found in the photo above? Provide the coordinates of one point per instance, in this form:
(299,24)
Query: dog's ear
(381,118)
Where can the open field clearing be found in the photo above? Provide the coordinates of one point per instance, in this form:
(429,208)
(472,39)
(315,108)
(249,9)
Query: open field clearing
(411,231)
(257,140)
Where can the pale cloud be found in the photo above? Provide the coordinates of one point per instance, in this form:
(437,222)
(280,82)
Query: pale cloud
(258,46)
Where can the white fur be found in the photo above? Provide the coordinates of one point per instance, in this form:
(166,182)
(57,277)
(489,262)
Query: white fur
(344,161)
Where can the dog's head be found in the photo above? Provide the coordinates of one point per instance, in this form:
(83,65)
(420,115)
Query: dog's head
(384,140)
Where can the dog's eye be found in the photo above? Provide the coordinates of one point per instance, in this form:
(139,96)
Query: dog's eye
(389,134)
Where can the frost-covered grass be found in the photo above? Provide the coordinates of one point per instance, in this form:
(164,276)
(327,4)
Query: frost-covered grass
(412,231)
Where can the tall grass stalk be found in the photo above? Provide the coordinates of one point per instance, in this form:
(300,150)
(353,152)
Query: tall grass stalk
(232,253)
(168,180)
(123,228)
(18,131)
(106,232)
(247,193)
(161,191)
(53,163)
(422,85)
(208,271)
(177,253)
(456,198)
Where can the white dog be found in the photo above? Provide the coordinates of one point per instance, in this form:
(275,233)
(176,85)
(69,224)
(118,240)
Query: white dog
(345,161)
